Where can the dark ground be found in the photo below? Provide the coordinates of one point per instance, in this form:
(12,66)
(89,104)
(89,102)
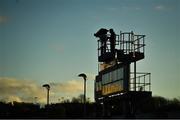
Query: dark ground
(157,107)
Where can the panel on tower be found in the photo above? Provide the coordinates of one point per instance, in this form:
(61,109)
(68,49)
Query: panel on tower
(112,80)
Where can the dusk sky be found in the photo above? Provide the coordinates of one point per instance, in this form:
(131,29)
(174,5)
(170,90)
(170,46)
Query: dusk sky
(51,41)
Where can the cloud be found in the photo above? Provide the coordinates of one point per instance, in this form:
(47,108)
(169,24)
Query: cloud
(12,98)
(25,90)
(131,8)
(72,86)
(20,90)
(112,8)
(159,7)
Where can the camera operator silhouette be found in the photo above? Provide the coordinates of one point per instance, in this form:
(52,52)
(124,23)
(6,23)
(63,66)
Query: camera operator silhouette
(112,40)
(102,34)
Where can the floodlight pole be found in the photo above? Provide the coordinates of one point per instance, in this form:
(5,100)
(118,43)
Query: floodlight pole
(47,96)
(84,91)
(84,77)
(48,88)
(84,96)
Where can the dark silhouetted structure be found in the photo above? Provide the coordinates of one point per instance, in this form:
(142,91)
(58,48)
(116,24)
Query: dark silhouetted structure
(84,77)
(155,107)
(116,87)
(47,86)
(102,34)
(112,40)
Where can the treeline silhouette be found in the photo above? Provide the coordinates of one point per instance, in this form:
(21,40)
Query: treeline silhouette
(156,107)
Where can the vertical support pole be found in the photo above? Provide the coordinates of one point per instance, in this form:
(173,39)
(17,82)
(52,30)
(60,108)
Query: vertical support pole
(84,97)
(126,72)
(149,81)
(98,55)
(132,41)
(139,84)
(134,55)
(47,96)
(135,76)
(144,83)
(47,103)
(123,40)
(98,48)
(128,43)
(143,45)
(120,40)
(138,43)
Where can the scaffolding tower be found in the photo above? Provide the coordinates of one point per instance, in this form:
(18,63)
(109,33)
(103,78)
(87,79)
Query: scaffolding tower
(115,78)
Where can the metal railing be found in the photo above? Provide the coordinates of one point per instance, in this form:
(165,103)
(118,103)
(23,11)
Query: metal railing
(126,41)
(130,42)
(142,83)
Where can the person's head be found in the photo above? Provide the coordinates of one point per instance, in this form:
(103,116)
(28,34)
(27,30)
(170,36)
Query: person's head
(111,30)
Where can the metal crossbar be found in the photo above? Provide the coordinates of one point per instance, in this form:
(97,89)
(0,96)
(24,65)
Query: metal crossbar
(143,82)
